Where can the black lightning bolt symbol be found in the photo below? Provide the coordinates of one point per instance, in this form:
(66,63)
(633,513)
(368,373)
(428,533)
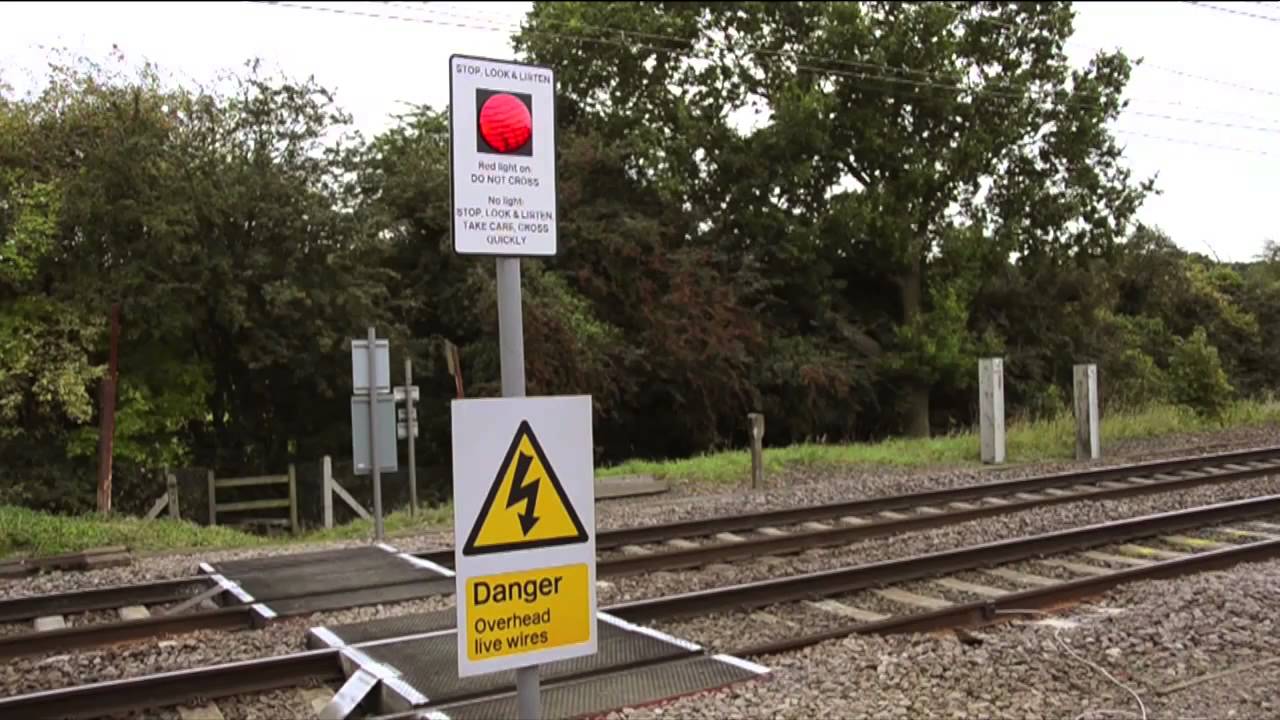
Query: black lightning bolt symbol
(519,492)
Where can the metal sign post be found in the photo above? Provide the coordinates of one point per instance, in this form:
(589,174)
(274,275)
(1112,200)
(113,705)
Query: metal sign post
(503,197)
(511,352)
(411,422)
(373,435)
(371,382)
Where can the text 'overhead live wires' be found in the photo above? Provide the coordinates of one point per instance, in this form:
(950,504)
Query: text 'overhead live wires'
(434,16)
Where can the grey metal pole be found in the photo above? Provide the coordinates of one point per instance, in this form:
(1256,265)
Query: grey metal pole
(412,426)
(373,435)
(528,704)
(510,327)
(511,351)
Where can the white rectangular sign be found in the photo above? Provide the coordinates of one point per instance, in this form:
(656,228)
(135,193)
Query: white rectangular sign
(502,135)
(360,365)
(524,531)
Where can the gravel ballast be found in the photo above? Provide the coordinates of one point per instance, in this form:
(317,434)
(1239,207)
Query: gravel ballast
(877,549)
(283,704)
(1149,635)
(157,567)
(275,705)
(815,485)
(802,487)
(795,487)
(54,670)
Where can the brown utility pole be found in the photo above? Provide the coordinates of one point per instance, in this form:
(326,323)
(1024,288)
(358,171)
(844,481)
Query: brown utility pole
(455,366)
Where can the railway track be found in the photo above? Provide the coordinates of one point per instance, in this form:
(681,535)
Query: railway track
(930,508)
(1088,561)
(172,619)
(92,559)
(1074,563)
(771,540)
(86,618)
(629,551)
(177,688)
(97,606)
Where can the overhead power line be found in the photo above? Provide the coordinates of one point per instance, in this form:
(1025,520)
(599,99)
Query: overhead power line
(363,13)
(803,61)
(800,67)
(1196,143)
(511,26)
(1216,81)
(1202,121)
(1233,11)
(1153,66)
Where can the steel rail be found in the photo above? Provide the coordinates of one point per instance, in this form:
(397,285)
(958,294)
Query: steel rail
(960,615)
(231,617)
(151,691)
(172,688)
(795,542)
(91,559)
(987,611)
(242,617)
(608,539)
(235,617)
(844,580)
(27,608)
(791,516)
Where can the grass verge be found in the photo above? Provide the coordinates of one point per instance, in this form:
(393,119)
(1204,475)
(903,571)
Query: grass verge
(1037,441)
(26,532)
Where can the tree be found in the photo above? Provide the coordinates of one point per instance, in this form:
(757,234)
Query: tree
(82,167)
(654,332)
(225,222)
(1197,377)
(280,268)
(891,127)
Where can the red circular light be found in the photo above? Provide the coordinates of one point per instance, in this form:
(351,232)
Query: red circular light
(505,123)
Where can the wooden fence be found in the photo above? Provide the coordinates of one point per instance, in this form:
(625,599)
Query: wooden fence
(289,503)
(333,487)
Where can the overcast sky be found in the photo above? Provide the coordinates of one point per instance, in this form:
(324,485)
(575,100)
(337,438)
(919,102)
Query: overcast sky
(1213,140)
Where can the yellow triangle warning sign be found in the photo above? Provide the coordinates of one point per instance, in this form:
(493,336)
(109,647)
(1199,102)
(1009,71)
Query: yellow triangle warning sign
(526,507)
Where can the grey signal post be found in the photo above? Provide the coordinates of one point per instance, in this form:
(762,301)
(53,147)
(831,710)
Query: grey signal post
(373,434)
(411,423)
(511,352)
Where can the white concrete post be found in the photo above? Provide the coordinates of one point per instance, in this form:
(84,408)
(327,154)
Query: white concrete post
(991,409)
(213,501)
(757,449)
(171,483)
(293,499)
(326,491)
(1088,433)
